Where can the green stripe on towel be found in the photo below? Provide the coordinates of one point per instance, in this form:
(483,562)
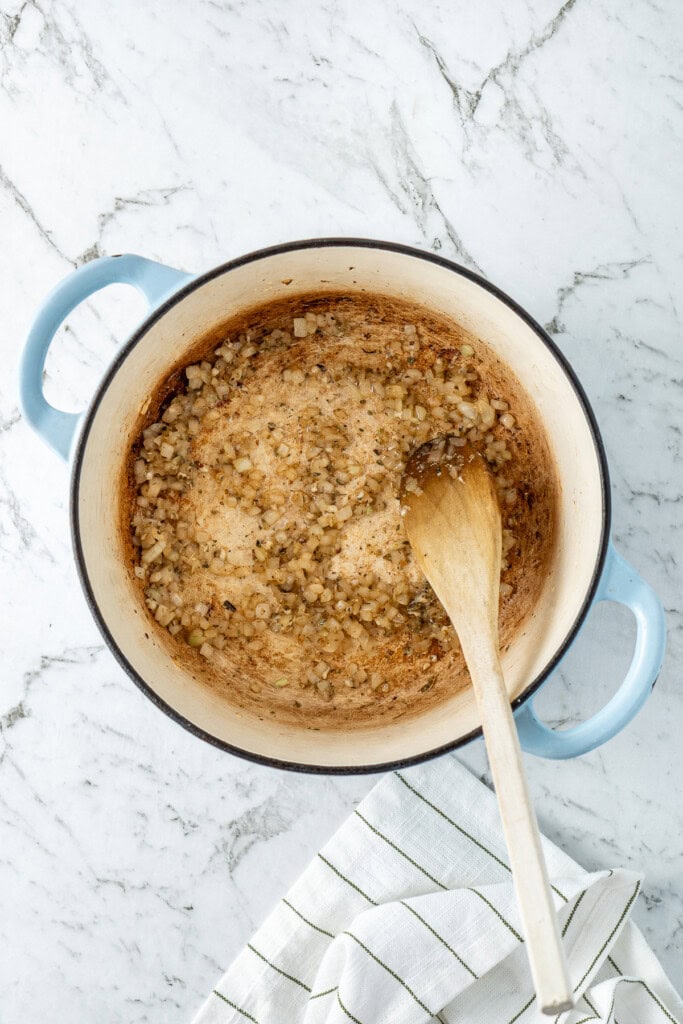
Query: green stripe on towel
(400,851)
(497,913)
(290,977)
(439,937)
(451,822)
(327,992)
(523,1010)
(298,913)
(609,937)
(463,831)
(234,1006)
(347,880)
(388,969)
(347,1012)
(573,911)
(660,1004)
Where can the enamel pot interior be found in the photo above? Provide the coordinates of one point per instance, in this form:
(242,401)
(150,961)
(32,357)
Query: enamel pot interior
(350,267)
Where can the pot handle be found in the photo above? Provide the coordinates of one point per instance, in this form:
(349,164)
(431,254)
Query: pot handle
(620,582)
(154,280)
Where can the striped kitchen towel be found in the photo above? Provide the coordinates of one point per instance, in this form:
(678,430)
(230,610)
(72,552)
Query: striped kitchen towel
(408,916)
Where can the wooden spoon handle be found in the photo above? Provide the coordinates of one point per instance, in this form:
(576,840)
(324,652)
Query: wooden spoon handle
(541,930)
(453,522)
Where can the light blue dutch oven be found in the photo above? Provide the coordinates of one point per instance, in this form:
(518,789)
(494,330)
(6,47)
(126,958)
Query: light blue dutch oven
(585,569)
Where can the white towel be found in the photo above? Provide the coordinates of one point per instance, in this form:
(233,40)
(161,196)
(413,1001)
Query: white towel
(408,915)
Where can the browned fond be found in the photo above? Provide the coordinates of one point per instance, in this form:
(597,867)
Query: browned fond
(415,684)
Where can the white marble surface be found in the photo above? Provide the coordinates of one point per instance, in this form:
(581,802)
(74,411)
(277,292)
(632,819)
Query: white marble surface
(537,142)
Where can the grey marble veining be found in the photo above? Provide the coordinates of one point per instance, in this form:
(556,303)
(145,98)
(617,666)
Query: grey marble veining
(538,142)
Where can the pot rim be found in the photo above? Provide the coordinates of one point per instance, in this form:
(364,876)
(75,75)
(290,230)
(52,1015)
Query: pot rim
(179,296)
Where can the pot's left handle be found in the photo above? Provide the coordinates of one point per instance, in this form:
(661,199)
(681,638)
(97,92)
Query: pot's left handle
(154,280)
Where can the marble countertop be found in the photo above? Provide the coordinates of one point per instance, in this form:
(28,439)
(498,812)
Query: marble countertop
(539,142)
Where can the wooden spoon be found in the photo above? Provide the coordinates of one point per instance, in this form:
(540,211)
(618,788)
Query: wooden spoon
(453,522)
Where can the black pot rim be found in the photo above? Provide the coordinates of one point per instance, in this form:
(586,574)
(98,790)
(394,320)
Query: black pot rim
(182,293)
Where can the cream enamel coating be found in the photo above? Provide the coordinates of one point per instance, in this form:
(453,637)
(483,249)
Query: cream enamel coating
(350,268)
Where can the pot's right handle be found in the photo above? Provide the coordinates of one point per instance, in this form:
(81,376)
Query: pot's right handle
(154,280)
(620,582)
